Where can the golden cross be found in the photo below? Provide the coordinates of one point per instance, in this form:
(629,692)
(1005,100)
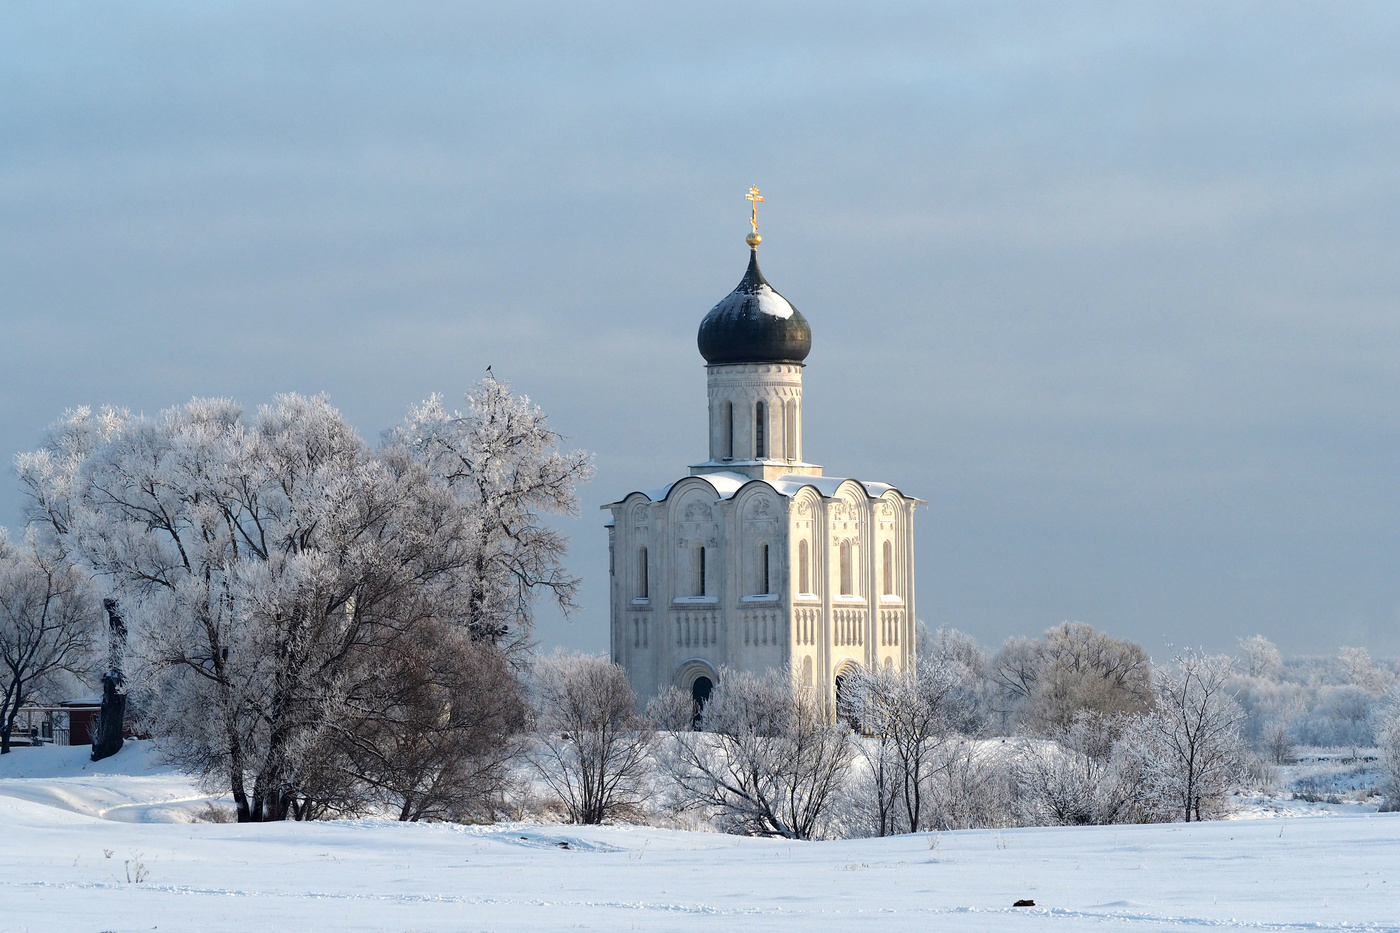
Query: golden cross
(755,197)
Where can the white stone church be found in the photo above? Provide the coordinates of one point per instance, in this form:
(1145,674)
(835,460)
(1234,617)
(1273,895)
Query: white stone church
(756,559)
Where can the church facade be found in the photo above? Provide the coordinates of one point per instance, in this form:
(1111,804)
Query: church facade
(756,559)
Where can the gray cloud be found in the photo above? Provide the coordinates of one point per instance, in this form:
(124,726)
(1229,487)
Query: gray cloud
(1113,288)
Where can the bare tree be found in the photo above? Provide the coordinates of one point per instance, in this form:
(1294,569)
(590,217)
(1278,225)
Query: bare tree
(48,616)
(770,761)
(972,786)
(1188,751)
(501,461)
(908,715)
(442,729)
(1074,780)
(593,748)
(1277,739)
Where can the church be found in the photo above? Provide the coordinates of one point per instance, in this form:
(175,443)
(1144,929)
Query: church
(756,559)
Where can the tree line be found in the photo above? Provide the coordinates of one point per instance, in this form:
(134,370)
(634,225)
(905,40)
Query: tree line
(322,627)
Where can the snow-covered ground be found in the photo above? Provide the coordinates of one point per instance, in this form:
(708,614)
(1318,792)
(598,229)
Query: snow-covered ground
(64,867)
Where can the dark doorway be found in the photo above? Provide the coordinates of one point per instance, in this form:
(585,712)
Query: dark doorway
(845,707)
(700,694)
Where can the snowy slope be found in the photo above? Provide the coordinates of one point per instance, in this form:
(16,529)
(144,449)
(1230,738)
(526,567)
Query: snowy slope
(131,786)
(64,868)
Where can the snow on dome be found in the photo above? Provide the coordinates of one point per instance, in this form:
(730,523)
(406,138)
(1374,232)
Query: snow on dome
(754,324)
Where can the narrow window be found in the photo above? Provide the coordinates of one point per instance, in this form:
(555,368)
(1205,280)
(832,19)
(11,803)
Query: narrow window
(846,568)
(760,439)
(803,581)
(889,569)
(763,581)
(700,573)
(642,583)
(726,442)
(790,422)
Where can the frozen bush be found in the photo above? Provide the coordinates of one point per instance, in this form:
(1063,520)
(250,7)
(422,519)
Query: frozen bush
(771,761)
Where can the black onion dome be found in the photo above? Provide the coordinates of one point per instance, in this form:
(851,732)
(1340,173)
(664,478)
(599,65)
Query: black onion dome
(754,324)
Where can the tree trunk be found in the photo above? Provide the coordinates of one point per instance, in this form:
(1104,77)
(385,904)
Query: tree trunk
(9,710)
(108,738)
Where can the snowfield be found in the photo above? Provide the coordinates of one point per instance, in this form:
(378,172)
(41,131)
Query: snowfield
(72,833)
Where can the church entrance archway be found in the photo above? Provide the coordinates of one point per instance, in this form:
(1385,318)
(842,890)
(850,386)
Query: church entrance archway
(700,695)
(697,677)
(845,696)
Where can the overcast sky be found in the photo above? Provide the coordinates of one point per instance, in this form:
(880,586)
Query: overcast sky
(1114,288)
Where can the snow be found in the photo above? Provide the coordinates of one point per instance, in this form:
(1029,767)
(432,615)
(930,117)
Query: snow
(726,484)
(131,786)
(62,867)
(749,299)
(771,303)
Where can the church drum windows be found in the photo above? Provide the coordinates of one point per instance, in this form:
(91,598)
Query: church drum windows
(760,432)
(726,441)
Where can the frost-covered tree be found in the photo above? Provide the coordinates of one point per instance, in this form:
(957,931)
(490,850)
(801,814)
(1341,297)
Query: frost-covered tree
(908,715)
(770,762)
(502,462)
(1260,658)
(1362,672)
(1075,780)
(48,618)
(1188,752)
(593,749)
(1070,669)
(1388,739)
(268,566)
(50,476)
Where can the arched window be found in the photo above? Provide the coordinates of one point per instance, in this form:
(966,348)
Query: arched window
(700,571)
(760,434)
(726,440)
(642,582)
(764,584)
(846,569)
(804,582)
(888,564)
(807,671)
(790,422)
